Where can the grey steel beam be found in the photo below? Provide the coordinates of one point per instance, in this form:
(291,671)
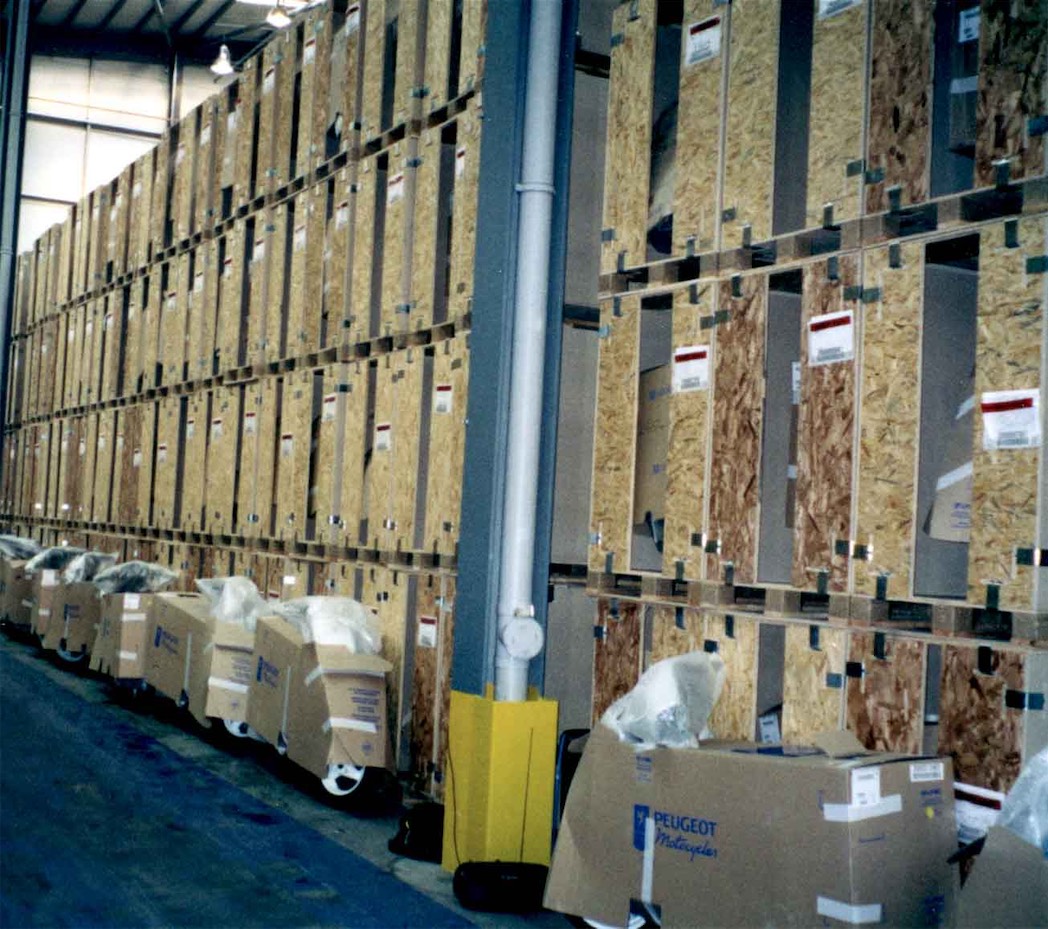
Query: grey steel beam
(145,18)
(74,12)
(201,31)
(89,124)
(176,26)
(114,11)
(123,46)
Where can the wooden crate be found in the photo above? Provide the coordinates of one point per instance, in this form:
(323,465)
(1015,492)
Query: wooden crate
(185,147)
(618,652)
(223,455)
(384,107)
(256,488)
(293,460)
(197,428)
(203,312)
(396,241)
(246,128)
(166,462)
(229,331)
(305,297)
(315,89)
(339,264)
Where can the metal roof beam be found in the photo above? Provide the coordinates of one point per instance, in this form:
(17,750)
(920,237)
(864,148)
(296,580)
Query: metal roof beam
(212,19)
(74,12)
(122,46)
(176,26)
(115,10)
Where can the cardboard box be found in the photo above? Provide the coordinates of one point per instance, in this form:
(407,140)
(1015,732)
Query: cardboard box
(201,663)
(1008,885)
(74,618)
(653,437)
(45,601)
(744,835)
(119,649)
(16,593)
(325,704)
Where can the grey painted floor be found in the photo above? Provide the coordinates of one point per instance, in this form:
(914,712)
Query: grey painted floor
(113,814)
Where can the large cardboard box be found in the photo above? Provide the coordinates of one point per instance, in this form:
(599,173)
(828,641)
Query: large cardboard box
(123,632)
(325,704)
(45,601)
(653,436)
(754,836)
(201,663)
(16,593)
(74,618)
(1008,885)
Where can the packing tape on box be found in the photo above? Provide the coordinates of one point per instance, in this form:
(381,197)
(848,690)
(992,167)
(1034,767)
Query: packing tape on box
(225,684)
(346,722)
(318,671)
(857,812)
(647,872)
(127,656)
(857,914)
(133,617)
(43,611)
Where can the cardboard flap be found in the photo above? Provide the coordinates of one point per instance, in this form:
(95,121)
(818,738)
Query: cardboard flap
(839,743)
(233,635)
(334,659)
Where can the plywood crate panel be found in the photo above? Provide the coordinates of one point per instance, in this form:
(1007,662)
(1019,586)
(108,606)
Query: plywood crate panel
(161,195)
(139,211)
(837,117)
(203,312)
(306,294)
(129,432)
(350,501)
(737,412)
(99,236)
(166,462)
(344,102)
(429,243)
(228,330)
(363,287)
(105,448)
(144,463)
(258,433)
(207,201)
(1011,320)
(401,181)
(223,452)
(885,691)
(315,90)
(277,272)
(173,315)
(440,22)
(889,417)
(813,681)
(826,423)
(686,455)
(614,438)
(90,367)
(737,641)
(88,456)
(295,439)
(275,126)
(675,631)
(617,652)
(195,478)
(328,453)
(183,179)
(246,117)
(253,328)
(54,471)
(628,149)
(464,209)
(898,141)
(132,335)
(112,344)
(151,319)
(65,260)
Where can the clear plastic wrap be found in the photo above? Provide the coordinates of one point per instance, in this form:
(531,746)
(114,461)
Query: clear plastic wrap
(134,577)
(1025,809)
(52,559)
(17,548)
(333,621)
(84,567)
(671,703)
(234,600)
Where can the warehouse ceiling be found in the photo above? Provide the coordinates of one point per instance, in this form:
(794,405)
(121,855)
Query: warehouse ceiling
(147,29)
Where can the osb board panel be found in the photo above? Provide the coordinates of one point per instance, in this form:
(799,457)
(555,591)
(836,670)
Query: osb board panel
(825,435)
(103,474)
(338,259)
(810,704)
(738,404)
(439,22)
(194,466)
(464,209)
(184,177)
(113,345)
(150,337)
(411,37)
(276,266)
(1008,357)
(255,331)
(885,705)
(74,351)
(688,440)
(386,592)
(292,482)
(447,441)
(41,462)
(836,124)
(616,652)
(256,495)
(396,247)
(88,452)
(132,339)
(668,638)
(1013,64)
(750,129)
(65,252)
(899,128)
(81,229)
(474,30)
(158,211)
(629,137)
(374,66)
(144,464)
(94,333)
(424,680)
(889,418)
(208,149)
(328,452)
(344,109)
(699,136)
(96,242)
(118,224)
(378,474)
(267,117)
(129,428)
(246,115)
(165,475)
(315,87)
(615,435)
(282,168)
(303,308)
(222,449)
(362,283)
(54,469)
(350,500)
(173,320)
(203,304)
(231,298)
(226,155)
(982,736)
(407,447)
(141,205)
(737,640)
(426,261)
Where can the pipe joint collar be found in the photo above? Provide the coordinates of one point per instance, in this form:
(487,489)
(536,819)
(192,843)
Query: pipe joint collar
(522,637)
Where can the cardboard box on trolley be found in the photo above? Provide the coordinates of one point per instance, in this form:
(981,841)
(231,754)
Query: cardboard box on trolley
(323,703)
(16,593)
(726,835)
(201,663)
(45,600)
(123,632)
(74,618)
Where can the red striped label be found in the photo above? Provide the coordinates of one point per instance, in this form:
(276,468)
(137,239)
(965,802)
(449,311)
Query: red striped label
(690,356)
(830,323)
(443,388)
(1004,406)
(383,428)
(703,26)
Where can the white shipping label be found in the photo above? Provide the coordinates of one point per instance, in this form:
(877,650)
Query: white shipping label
(342,214)
(172,300)
(136,191)
(216,428)
(260,250)
(299,241)
(460,161)
(1011,419)
(443,398)
(831,338)
(107,321)
(383,437)
(180,154)
(269,81)
(691,368)
(352,19)
(330,404)
(287,445)
(198,282)
(866,786)
(395,189)
(769,729)
(309,51)
(795,382)
(101,442)
(427,632)
(968,28)
(112,218)
(828,8)
(132,601)
(119,443)
(250,423)
(205,135)
(83,448)
(161,454)
(926,771)
(227,267)
(136,458)
(704,41)
(290,580)
(231,122)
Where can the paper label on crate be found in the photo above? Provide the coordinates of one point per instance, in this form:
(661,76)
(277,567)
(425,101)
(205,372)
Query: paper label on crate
(132,602)
(309,51)
(383,437)
(250,423)
(795,382)
(216,428)
(922,772)
(198,282)
(231,122)
(136,190)
(328,407)
(443,398)
(287,445)
(205,135)
(172,300)
(427,632)
(180,154)
(259,251)
(831,338)
(968,27)
(112,217)
(107,322)
(395,189)
(299,240)
(1011,419)
(71,334)
(460,161)
(977,809)
(703,42)
(48,578)
(866,786)
(269,80)
(227,267)
(83,448)
(769,729)
(691,368)
(88,329)
(342,214)
(119,443)
(161,454)
(828,8)
(856,914)
(190,428)
(101,443)
(352,19)
(136,458)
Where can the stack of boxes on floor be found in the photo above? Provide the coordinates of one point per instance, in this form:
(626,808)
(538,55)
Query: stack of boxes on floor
(249,352)
(780,491)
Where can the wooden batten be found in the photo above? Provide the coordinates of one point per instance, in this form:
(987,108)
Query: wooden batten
(617,652)
(813,681)
(91,368)
(410,64)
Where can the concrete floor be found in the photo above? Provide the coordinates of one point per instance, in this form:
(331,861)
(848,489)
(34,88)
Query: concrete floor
(117,814)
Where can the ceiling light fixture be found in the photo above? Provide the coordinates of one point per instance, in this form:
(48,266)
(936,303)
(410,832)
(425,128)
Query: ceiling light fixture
(278,17)
(223,64)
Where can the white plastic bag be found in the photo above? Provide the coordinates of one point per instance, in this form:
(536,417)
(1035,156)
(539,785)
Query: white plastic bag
(333,621)
(134,577)
(84,567)
(17,548)
(1025,809)
(234,600)
(671,703)
(52,559)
